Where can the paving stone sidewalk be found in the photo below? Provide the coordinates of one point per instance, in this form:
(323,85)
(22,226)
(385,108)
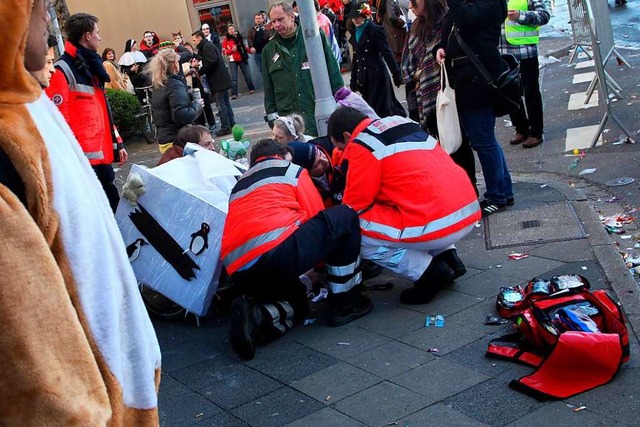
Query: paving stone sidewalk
(378,370)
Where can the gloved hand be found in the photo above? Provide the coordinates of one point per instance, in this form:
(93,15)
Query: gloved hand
(270,119)
(397,79)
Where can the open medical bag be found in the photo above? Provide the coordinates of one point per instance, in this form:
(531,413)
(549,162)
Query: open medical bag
(575,338)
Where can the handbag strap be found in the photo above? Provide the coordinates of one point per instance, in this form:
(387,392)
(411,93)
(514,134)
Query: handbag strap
(472,57)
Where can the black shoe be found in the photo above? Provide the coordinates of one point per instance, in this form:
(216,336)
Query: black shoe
(370,269)
(243,328)
(433,280)
(511,201)
(272,325)
(347,307)
(286,315)
(418,296)
(223,132)
(452,259)
(489,208)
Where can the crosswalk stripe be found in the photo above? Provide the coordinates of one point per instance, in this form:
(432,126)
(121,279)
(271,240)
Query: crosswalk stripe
(583,77)
(580,138)
(584,64)
(576,101)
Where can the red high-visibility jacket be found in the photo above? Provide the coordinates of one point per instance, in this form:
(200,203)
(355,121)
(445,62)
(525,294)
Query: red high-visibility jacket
(266,206)
(403,185)
(83,103)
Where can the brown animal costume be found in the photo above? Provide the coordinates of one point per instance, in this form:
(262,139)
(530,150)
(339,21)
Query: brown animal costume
(76,347)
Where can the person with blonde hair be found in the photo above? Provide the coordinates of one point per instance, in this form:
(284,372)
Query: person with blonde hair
(170,100)
(289,128)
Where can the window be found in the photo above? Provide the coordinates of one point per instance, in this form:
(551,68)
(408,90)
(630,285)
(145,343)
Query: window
(217,16)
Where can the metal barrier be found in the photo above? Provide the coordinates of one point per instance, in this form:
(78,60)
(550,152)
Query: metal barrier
(602,48)
(599,18)
(579,27)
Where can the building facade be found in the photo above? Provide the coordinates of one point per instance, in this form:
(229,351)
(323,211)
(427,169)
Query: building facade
(121,20)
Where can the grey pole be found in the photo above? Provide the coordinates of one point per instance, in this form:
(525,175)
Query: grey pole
(325,104)
(56,24)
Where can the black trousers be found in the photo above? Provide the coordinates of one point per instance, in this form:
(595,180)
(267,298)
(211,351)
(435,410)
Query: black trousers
(107,176)
(208,111)
(529,121)
(333,236)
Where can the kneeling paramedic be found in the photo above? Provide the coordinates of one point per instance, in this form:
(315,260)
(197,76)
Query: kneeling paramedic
(413,201)
(276,229)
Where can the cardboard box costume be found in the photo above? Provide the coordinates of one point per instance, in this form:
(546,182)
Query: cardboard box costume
(178,223)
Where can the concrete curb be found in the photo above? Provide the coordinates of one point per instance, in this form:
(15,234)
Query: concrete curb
(605,253)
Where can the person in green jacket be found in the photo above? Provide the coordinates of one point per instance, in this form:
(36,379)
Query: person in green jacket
(286,75)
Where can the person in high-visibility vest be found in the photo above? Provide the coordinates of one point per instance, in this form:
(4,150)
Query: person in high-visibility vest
(520,37)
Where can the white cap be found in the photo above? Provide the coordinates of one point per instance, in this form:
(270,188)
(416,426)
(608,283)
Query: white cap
(205,26)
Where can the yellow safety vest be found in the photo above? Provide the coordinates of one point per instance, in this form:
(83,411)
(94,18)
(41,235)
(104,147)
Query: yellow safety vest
(518,34)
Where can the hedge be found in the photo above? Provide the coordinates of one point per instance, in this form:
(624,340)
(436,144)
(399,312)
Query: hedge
(125,107)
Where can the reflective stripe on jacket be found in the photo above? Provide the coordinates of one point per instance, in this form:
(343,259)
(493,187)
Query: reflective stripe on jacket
(403,185)
(519,34)
(83,103)
(266,206)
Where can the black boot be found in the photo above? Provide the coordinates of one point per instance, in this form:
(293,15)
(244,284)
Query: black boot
(345,307)
(452,259)
(370,269)
(432,281)
(272,327)
(272,320)
(245,318)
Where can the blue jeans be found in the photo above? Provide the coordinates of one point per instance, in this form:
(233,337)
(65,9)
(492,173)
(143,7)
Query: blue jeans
(224,109)
(257,58)
(244,67)
(479,124)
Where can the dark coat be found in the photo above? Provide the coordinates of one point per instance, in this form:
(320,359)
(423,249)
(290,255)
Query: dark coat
(173,108)
(479,23)
(258,38)
(369,75)
(214,67)
(390,16)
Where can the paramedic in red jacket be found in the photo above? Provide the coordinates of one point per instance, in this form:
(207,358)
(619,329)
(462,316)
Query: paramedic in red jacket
(276,230)
(77,89)
(414,202)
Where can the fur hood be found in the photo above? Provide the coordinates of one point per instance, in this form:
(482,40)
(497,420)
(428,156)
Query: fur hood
(16,86)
